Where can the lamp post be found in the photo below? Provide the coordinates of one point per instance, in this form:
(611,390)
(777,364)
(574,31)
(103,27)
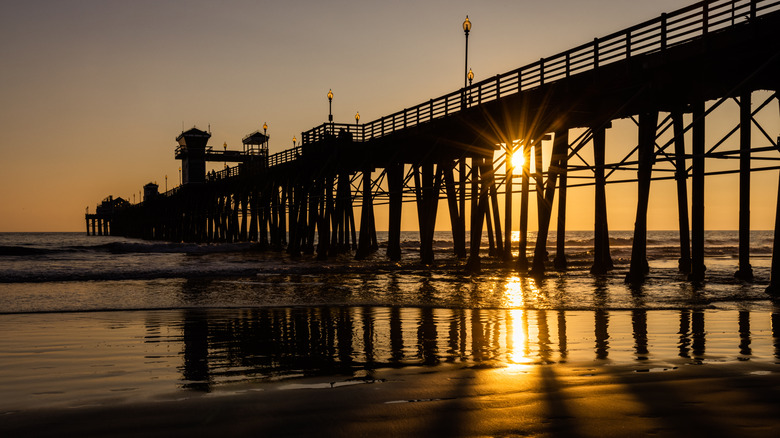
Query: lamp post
(294,140)
(224,156)
(466,29)
(180,176)
(330,109)
(166,183)
(357,122)
(330,105)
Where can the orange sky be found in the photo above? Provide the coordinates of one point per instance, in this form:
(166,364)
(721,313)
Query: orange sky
(95,92)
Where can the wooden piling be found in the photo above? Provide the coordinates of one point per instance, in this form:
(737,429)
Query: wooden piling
(496,214)
(774,275)
(522,258)
(681,177)
(560,144)
(648,123)
(474,263)
(364,244)
(697,194)
(745,271)
(508,204)
(602,260)
(462,188)
(560,261)
(395,185)
(458,243)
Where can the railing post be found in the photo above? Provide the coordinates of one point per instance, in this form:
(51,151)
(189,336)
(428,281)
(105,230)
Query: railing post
(404,117)
(519,81)
(595,53)
(628,44)
(541,71)
(446,105)
(753,9)
(705,17)
(498,87)
(663,31)
(430,107)
(568,65)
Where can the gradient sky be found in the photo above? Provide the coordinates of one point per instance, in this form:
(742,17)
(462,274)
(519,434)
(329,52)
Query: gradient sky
(94,92)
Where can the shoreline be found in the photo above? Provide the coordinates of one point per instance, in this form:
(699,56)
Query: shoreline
(562,399)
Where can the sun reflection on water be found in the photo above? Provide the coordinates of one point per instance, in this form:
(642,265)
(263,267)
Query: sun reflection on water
(520,292)
(518,347)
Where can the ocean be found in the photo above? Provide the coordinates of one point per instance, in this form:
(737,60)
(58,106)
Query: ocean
(96,319)
(56,272)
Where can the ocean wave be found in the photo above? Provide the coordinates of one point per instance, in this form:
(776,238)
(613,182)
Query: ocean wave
(15,251)
(129,248)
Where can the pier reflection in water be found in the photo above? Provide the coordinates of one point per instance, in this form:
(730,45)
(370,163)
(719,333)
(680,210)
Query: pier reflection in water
(222,346)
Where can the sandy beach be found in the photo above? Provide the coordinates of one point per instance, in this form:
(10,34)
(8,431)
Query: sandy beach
(390,372)
(659,399)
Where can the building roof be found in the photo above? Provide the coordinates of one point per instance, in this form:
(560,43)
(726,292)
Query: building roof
(256,138)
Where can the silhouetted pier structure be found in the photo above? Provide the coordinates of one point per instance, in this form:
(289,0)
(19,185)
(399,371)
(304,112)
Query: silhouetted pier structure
(667,74)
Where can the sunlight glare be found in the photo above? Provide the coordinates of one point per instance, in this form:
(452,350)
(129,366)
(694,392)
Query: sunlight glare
(517,358)
(517,163)
(513,295)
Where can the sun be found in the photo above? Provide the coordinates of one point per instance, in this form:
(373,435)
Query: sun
(517,163)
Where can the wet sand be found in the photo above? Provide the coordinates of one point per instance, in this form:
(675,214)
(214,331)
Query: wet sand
(652,399)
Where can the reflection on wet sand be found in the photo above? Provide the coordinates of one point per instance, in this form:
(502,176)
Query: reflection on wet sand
(259,344)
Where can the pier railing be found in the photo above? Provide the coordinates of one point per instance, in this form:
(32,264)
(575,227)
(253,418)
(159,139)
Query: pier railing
(679,27)
(668,30)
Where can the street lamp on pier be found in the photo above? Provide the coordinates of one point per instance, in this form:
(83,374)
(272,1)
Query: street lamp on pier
(466,30)
(166,183)
(180,176)
(357,122)
(294,140)
(224,156)
(330,105)
(330,109)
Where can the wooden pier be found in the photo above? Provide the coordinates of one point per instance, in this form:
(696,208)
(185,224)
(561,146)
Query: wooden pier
(667,75)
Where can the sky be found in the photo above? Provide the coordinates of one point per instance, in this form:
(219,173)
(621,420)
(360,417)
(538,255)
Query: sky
(94,92)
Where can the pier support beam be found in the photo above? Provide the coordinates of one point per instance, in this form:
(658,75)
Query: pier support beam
(474,263)
(774,276)
(462,188)
(364,244)
(522,257)
(745,271)
(681,176)
(495,210)
(427,186)
(697,195)
(508,204)
(560,262)
(322,218)
(602,260)
(456,222)
(648,123)
(395,185)
(560,145)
